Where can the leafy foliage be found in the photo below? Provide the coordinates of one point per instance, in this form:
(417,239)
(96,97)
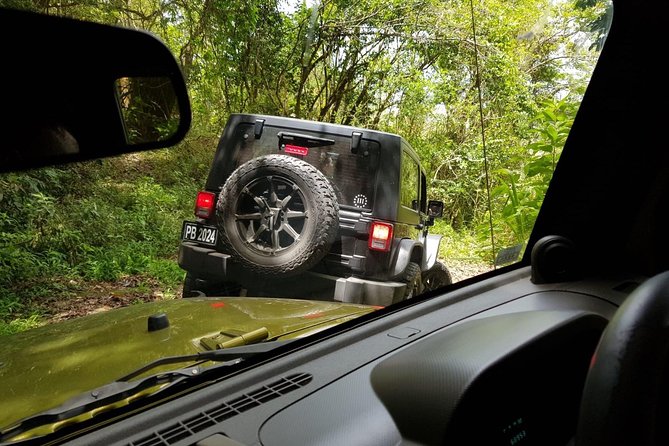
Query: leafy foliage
(521,191)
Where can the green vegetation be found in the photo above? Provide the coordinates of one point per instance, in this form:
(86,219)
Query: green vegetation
(99,221)
(413,67)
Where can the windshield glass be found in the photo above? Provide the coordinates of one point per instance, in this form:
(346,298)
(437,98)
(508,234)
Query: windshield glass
(344,156)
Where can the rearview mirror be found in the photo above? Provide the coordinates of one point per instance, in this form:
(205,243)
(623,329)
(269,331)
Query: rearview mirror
(75,90)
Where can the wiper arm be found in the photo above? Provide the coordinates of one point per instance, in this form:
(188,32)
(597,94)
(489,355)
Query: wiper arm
(233,354)
(123,388)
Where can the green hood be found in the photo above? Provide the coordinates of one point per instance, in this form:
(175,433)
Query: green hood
(42,368)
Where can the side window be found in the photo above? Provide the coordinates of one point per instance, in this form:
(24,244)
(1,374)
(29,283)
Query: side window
(409,187)
(423,193)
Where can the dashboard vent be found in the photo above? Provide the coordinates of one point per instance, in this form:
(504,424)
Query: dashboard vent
(186,428)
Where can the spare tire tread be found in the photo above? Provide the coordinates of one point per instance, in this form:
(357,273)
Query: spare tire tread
(322,208)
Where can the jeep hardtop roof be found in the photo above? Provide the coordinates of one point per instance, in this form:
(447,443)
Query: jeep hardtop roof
(307,125)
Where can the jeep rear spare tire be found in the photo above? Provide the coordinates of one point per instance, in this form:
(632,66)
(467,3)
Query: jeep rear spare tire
(277,215)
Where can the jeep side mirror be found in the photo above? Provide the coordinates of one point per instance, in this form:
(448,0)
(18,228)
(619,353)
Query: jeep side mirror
(435,209)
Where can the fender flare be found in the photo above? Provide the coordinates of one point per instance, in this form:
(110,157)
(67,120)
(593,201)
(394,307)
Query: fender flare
(406,251)
(432,242)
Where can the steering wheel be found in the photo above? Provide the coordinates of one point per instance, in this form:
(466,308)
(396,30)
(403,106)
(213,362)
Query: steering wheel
(625,390)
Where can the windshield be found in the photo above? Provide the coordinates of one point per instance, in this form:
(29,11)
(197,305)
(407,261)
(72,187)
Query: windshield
(344,157)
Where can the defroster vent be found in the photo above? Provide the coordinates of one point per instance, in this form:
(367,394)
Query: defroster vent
(186,428)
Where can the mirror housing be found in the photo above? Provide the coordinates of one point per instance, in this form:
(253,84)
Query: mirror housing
(435,209)
(75,90)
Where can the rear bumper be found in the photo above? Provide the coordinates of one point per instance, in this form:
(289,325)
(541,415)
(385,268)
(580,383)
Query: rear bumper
(207,263)
(368,292)
(204,262)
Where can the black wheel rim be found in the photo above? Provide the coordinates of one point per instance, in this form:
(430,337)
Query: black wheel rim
(434,280)
(271,215)
(431,283)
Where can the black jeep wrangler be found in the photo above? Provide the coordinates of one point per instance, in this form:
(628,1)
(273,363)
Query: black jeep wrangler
(318,210)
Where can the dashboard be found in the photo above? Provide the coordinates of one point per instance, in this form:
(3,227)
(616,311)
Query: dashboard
(498,362)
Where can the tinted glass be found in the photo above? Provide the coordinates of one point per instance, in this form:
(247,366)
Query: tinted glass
(409,182)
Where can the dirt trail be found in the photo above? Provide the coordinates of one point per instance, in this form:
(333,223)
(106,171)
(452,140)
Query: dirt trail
(464,269)
(104,296)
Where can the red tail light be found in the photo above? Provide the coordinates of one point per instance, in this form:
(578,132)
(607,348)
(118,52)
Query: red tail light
(204,204)
(380,236)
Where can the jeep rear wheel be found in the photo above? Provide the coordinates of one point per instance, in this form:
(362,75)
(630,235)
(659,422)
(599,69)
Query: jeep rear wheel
(277,215)
(412,277)
(436,277)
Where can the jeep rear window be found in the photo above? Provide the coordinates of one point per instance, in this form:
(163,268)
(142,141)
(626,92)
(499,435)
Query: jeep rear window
(353,175)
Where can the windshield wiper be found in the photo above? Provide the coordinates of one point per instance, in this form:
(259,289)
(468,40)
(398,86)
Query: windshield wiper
(124,388)
(231,354)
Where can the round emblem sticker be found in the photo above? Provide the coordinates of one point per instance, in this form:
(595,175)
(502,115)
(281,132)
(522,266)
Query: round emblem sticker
(360,201)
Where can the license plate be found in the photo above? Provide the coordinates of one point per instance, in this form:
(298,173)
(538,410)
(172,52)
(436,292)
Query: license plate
(196,232)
